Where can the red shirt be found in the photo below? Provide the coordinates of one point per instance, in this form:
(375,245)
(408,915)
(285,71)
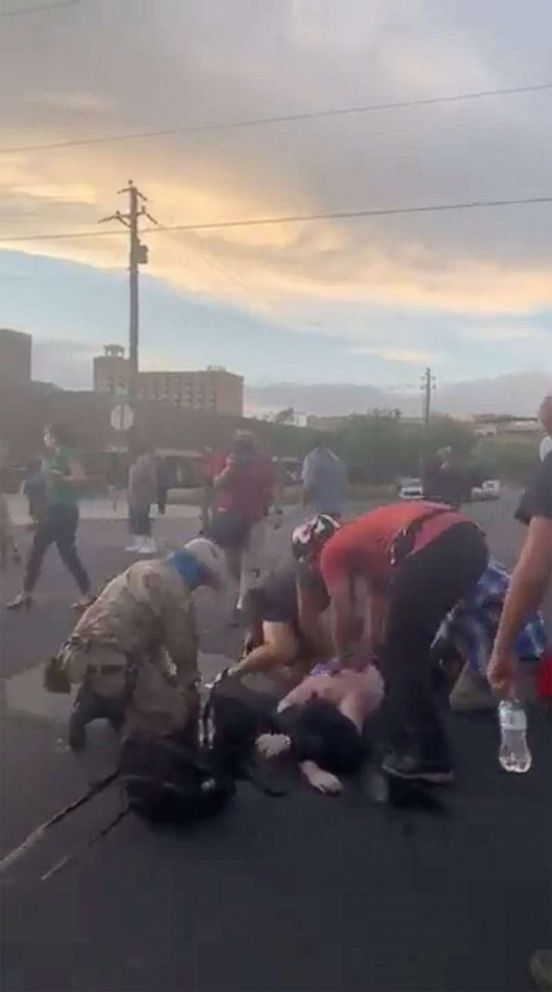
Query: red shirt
(362,547)
(212,464)
(249,490)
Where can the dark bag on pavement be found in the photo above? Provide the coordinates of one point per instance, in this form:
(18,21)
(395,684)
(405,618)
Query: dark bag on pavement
(168,781)
(228,530)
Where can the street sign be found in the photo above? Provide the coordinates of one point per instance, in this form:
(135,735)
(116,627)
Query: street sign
(122,417)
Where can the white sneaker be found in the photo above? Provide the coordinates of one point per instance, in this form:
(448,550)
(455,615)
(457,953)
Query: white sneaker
(147,546)
(133,545)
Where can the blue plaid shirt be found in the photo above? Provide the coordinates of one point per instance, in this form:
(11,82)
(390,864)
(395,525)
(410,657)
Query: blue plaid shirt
(470,628)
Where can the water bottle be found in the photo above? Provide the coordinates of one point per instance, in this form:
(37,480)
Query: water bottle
(514,754)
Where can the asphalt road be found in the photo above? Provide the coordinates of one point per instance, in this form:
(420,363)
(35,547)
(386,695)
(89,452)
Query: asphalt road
(295,893)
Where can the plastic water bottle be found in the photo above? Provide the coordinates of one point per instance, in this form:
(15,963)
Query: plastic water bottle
(514,754)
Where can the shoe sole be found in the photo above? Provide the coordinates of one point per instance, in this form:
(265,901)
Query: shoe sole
(433,778)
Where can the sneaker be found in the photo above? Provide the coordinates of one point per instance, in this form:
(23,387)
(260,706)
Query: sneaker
(132,546)
(147,546)
(540,969)
(471,693)
(406,766)
(84,602)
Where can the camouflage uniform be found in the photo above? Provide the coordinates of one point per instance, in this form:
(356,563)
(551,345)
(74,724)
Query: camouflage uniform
(137,644)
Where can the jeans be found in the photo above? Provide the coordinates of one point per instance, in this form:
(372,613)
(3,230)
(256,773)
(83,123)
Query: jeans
(139,519)
(425,586)
(58,526)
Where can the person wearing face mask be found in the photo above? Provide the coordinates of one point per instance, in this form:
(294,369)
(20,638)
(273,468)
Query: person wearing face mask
(58,523)
(134,650)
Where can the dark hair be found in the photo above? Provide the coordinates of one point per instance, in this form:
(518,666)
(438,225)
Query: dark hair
(320,733)
(61,433)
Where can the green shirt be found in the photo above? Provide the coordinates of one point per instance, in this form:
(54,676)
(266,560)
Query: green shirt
(59,490)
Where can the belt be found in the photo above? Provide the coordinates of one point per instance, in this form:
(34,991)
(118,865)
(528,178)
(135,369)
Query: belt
(105,669)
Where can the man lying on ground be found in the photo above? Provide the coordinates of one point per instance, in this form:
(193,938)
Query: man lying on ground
(321,724)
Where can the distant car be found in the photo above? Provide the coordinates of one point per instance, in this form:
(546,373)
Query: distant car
(489,489)
(411,489)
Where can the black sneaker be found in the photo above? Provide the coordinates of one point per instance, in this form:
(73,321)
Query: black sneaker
(407,766)
(77,731)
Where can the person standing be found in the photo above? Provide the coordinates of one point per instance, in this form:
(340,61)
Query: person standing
(243,497)
(7,539)
(58,522)
(142,492)
(324,480)
(417,560)
(527,589)
(163,482)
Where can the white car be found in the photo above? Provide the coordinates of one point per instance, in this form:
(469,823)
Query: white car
(489,489)
(411,489)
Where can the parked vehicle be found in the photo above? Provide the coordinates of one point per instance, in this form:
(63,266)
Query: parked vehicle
(489,489)
(411,489)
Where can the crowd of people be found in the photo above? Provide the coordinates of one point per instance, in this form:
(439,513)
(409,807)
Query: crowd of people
(344,639)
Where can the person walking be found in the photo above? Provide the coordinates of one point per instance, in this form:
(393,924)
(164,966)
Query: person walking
(142,492)
(57,523)
(244,494)
(324,480)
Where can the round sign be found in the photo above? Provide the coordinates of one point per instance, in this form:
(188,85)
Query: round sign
(122,417)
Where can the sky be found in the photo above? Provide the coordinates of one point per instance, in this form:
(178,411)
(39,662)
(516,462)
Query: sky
(370,300)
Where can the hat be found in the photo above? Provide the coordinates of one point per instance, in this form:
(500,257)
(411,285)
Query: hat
(210,556)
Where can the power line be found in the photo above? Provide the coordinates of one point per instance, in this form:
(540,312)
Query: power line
(35,10)
(280,119)
(290,219)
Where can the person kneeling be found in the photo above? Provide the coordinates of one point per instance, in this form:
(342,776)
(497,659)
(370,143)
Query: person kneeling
(135,648)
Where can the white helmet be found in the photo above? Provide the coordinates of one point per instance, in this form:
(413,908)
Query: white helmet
(208,554)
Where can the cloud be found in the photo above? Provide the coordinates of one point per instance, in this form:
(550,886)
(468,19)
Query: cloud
(182,64)
(404,356)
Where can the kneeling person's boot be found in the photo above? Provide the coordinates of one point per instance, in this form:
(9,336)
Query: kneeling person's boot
(88,706)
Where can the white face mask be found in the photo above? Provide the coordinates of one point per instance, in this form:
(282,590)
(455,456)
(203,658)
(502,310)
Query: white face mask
(49,440)
(545,447)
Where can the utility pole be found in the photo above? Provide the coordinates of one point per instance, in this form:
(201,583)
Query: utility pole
(428,385)
(138,255)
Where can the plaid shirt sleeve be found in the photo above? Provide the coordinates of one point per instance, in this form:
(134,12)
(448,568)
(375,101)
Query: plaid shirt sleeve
(470,628)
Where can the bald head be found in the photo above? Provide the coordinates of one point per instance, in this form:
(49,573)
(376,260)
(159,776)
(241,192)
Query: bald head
(545,413)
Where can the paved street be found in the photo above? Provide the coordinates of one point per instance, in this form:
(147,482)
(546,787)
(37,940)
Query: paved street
(295,893)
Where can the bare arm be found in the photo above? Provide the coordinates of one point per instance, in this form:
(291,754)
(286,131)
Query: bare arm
(342,620)
(525,593)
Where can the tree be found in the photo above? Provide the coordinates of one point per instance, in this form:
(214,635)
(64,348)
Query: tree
(286,416)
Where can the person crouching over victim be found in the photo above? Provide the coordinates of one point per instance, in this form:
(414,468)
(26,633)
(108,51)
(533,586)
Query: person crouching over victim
(284,624)
(135,648)
(321,723)
(418,559)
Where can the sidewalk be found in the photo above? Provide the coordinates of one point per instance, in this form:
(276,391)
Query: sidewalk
(100,508)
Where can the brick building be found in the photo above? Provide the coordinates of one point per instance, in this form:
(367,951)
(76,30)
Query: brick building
(15,358)
(213,390)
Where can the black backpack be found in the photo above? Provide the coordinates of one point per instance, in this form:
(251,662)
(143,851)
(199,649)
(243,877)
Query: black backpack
(169,781)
